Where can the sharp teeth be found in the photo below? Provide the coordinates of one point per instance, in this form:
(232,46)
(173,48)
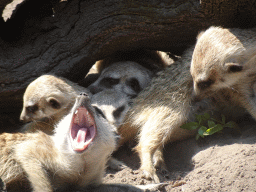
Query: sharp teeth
(76,119)
(76,111)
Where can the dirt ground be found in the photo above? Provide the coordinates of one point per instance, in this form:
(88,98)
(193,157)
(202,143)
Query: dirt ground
(221,162)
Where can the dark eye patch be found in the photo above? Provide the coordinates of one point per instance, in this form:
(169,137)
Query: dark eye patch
(205,84)
(54,103)
(99,112)
(235,68)
(118,111)
(32,109)
(109,82)
(134,84)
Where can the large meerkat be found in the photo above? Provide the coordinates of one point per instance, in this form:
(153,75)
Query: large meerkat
(161,108)
(128,72)
(73,158)
(224,59)
(46,100)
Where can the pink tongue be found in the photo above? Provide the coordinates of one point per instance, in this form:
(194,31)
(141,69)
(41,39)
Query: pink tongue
(80,140)
(81,134)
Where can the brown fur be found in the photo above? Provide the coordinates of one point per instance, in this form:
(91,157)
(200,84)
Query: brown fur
(40,93)
(41,162)
(224,59)
(160,110)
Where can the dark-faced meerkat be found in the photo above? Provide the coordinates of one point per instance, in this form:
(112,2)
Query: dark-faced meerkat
(224,59)
(113,104)
(128,72)
(73,158)
(46,100)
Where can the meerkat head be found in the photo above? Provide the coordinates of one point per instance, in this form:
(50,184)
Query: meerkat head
(125,76)
(46,96)
(217,60)
(84,129)
(113,105)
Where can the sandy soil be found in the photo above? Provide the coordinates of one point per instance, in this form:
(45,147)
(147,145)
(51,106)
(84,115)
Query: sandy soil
(221,162)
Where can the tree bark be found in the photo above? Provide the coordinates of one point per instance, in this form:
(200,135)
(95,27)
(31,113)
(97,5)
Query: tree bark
(67,37)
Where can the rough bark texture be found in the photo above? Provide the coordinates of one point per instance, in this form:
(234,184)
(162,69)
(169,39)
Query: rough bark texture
(67,37)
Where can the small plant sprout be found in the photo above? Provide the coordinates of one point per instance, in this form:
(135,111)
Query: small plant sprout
(214,125)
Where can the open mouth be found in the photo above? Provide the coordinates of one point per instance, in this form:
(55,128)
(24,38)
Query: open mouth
(82,129)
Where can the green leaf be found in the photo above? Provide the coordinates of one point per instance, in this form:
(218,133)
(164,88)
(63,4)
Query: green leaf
(197,136)
(190,126)
(211,124)
(199,119)
(214,129)
(202,130)
(231,124)
(206,116)
(223,119)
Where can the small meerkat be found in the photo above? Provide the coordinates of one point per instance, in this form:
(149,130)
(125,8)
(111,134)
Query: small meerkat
(73,158)
(46,100)
(224,59)
(128,72)
(221,57)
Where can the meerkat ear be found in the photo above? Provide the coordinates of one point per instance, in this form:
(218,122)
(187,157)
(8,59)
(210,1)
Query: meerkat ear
(54,103)
(200,34)
(234,67)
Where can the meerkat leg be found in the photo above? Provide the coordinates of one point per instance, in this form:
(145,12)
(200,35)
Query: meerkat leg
(33,155)
(36,175)
(149,141)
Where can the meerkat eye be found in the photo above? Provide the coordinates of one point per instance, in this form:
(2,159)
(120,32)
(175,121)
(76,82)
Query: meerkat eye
(54,103)
(205,84)
(235,68)
(99,111)
(118,112)
(32,109)
(134,84)
(109,82)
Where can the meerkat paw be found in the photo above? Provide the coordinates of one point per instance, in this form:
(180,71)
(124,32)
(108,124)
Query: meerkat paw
(115,164)
(159,164)
(150,174)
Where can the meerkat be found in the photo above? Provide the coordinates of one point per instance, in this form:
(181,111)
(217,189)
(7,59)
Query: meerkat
(73,158)
(160,109)
(128,72)
(46,100)
(224,59)
(113,105)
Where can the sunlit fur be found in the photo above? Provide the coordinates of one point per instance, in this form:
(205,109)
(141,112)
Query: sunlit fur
(30,155)
(218,51)
(160,109)
(38,93)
